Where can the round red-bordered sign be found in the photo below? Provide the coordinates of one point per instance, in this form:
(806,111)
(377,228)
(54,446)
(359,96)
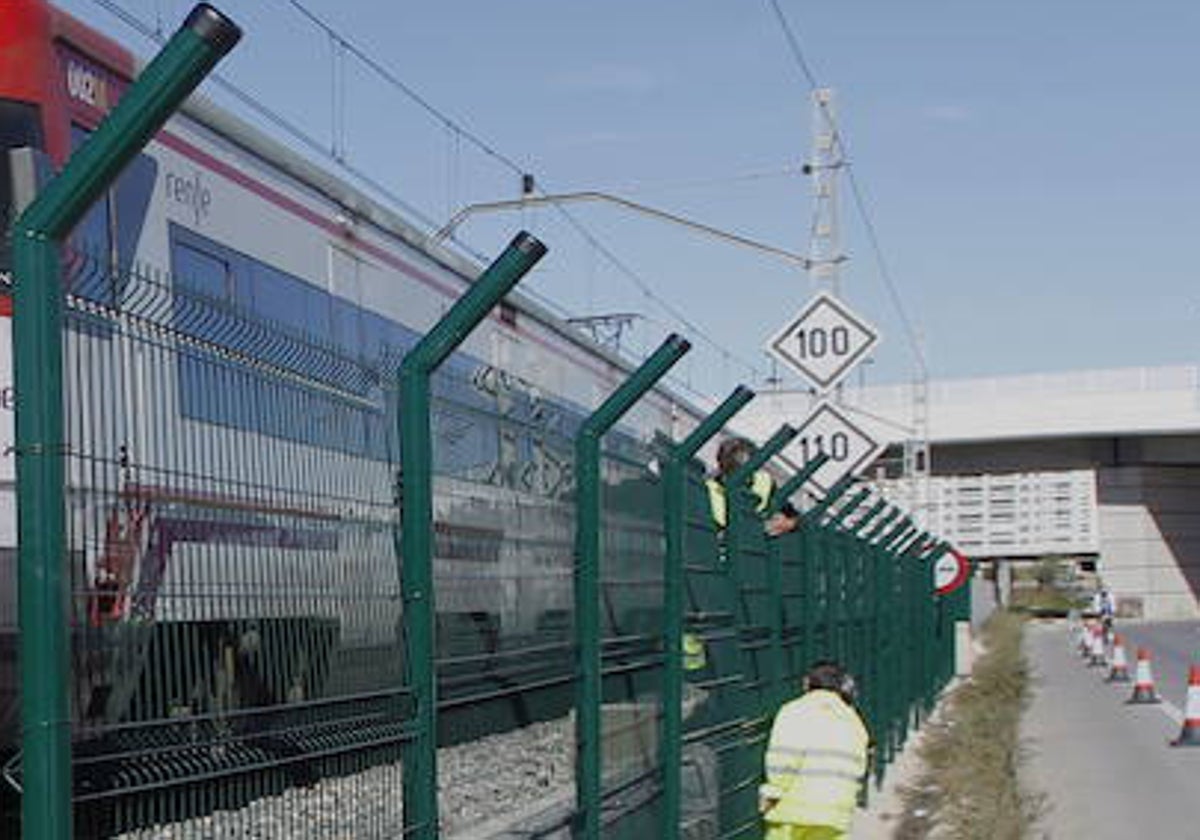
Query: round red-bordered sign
(950,572)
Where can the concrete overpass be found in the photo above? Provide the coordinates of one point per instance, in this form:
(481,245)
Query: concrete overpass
(1102,463)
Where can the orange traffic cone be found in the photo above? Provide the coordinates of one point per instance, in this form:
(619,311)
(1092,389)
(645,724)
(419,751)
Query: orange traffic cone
(1190,734)
(1143,682)
(1119,670)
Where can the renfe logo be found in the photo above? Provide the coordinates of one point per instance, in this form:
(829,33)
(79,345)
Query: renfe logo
(190,192)
(88,86)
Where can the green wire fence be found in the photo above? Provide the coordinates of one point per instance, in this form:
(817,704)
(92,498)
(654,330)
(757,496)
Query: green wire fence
(269,577)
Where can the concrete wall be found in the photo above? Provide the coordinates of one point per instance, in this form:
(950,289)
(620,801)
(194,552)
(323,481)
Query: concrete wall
(1150,536)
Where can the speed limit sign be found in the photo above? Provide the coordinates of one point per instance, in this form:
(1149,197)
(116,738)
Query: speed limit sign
(828,432)
(823,341)
(950,572)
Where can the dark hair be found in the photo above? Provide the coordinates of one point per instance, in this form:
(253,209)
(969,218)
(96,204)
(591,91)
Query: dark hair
(830,676)
(732,454)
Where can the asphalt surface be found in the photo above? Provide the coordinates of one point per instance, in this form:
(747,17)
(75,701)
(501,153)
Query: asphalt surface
(1106,768)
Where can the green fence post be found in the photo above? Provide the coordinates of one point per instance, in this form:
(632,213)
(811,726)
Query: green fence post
(846,508)
(882,525)
(741,476)
(416,521)
(589,690)
(674,489)
(835,492)
(890,527)
(790,487)
(736,484)
(43,586)
(843,570)
(803,540)
(867,518)
(903,531)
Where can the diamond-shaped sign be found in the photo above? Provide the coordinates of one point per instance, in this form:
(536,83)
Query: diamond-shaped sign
(827,430)
(823,341)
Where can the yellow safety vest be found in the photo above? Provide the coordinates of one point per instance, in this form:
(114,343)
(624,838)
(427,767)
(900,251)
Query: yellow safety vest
(816,760)
(694,655)
(761,485)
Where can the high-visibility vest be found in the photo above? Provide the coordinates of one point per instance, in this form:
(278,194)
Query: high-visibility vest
(816,760)
(761,485)
(694,655)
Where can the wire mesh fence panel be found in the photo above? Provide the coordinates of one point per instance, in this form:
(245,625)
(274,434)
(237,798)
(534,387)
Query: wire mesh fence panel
(238,636)
(236,609)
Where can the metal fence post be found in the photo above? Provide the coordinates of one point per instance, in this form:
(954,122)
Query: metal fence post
(879,527)
(416,522)
(867,518)
(736,484)
(206,36)
(674,489)
(589,693)
(790,487)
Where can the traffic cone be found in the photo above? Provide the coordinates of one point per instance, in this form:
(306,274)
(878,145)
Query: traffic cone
(1079,637)
(1119,671)
(1189,736)
(1143,681)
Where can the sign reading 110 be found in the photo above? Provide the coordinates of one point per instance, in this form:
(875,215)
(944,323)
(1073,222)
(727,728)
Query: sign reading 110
(838,448)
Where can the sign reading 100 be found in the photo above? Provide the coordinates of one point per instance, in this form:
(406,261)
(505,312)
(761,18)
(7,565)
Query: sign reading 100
(818,342)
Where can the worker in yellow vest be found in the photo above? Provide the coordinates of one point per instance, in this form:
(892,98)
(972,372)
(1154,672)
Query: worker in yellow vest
(816,760)
(732,454)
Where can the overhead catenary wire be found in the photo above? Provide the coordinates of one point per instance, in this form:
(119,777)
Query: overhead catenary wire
(856,191)
(389,77)
(335,152)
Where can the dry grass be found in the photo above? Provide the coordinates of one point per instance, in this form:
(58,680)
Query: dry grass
(968,789)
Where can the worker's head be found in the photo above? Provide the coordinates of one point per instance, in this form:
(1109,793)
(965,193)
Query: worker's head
(828,675)
(733,454)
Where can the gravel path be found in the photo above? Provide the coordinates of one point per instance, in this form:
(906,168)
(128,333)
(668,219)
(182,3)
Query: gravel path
(480,782)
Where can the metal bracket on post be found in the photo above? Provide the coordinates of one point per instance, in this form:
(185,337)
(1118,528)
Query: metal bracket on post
(203,39)
(674,490)
(587,575)
(416,522)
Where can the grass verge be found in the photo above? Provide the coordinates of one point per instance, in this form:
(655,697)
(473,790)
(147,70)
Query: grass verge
(968,786)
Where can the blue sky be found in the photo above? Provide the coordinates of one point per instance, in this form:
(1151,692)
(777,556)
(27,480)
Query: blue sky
(1030,167)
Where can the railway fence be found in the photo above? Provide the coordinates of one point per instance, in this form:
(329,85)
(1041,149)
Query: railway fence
(232,619)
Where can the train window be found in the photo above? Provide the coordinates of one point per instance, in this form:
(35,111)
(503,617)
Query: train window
(19,126)
(206,275)
(283,299)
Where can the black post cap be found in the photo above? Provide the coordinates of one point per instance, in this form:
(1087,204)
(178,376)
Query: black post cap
(527,243)
(213,27)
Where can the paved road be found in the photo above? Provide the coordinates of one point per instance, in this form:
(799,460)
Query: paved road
(1106,767)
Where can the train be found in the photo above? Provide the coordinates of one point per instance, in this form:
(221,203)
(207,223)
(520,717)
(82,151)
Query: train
(236,314)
